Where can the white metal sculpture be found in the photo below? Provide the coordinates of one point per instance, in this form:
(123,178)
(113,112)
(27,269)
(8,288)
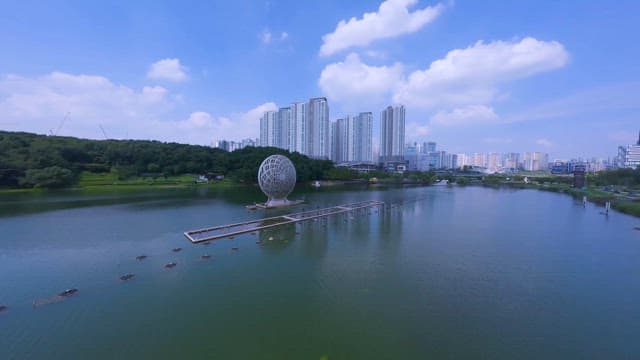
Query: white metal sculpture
(277,178)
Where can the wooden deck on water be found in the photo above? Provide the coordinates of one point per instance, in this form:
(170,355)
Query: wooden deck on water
(223,231)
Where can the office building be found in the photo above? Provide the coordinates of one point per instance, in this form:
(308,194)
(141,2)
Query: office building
(629,156)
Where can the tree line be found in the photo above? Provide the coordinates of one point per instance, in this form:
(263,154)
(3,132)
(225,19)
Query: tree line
(31,160)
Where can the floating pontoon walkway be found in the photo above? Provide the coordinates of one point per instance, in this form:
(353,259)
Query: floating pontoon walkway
(222,231)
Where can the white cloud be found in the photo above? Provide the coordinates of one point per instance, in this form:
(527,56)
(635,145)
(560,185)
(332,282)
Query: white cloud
(266,36)
(415,131)
(352,82)
(39,104)
(392,19)
(544,142)
(472,114)
(472,75)
(168,69)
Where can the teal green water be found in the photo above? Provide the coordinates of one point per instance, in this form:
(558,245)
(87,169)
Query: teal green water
(451,273)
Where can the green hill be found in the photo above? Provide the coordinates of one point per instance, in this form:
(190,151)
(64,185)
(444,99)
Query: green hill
(30,160)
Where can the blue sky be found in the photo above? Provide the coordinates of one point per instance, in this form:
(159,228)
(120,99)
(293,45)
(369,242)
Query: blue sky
(560,77)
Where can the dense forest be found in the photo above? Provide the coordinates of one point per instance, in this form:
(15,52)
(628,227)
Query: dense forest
(30,160)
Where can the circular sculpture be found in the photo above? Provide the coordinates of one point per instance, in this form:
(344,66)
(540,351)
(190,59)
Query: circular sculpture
(277,178)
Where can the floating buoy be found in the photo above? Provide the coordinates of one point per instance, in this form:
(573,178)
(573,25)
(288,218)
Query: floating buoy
(127,277)
(176,249)
(637,228)
(170,265)
(270,238)
(68,292)
(3,308)
(235,249)
(205,257)
(141,257)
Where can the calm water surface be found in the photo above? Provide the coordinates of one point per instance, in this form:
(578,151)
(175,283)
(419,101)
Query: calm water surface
(452,273)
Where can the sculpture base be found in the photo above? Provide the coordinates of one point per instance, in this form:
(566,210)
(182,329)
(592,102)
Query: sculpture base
(271,204)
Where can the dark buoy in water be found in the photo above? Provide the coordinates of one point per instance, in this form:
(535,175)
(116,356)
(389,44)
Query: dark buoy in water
(170,265)
(637,228)
(68,292)
(127,277)
(3,308)
(205,257)
(235,249)
(141,257)
(176,249)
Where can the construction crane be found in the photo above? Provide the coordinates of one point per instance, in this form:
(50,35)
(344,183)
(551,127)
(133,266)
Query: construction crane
(66,116)
(103,132)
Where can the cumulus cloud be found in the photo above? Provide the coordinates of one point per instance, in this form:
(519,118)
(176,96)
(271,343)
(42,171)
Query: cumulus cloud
(472,114)
(168,69)
(39,104)
(353,82)
(472,75)
(415,131)
(392,19)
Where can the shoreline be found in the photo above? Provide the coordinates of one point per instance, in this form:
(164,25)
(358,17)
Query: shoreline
(619,203)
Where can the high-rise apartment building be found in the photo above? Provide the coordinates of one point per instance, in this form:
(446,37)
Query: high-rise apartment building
(511,161)
(361,138)
(392,133)
(536,161)
(318,141)
(298,127)
(268,129)
(340,140)
(283,122)
(301,127)
(351,138)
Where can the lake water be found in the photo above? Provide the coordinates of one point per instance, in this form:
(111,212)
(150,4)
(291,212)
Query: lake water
(451,273)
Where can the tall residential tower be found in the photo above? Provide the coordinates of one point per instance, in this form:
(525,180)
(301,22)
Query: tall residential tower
(392,133)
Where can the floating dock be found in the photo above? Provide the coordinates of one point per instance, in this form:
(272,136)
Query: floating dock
(225,231)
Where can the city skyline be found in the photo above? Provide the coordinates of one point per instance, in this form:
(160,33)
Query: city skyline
(564,68)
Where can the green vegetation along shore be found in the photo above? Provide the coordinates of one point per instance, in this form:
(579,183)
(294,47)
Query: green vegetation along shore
(39,161)
(621,187)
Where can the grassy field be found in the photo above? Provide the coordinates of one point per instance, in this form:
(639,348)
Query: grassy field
(93,181)
(98,182)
